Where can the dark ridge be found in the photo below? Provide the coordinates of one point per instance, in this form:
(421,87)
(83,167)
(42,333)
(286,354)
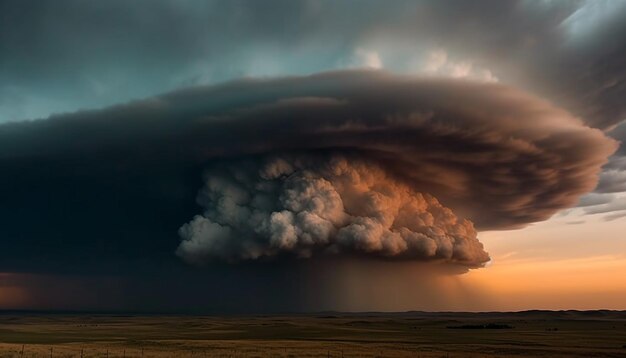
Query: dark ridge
(482,326)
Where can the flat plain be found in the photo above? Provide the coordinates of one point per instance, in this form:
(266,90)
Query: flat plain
(410,334)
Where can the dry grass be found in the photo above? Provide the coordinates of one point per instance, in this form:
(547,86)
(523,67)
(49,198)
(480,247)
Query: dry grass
(534,334)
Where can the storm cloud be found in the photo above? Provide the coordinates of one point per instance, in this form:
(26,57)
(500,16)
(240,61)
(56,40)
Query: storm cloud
(336,205)
(441,148)
(65,55)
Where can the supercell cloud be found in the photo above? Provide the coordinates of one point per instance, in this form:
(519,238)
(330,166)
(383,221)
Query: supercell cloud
(359,163)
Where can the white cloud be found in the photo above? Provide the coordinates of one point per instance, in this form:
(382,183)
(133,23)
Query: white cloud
(367,58)
(438,63)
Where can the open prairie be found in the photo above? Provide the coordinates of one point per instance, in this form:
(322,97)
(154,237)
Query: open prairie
(413,334)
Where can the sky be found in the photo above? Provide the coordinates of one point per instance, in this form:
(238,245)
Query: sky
(287,156)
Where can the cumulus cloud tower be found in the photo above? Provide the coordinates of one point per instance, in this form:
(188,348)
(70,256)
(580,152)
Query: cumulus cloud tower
(335,204)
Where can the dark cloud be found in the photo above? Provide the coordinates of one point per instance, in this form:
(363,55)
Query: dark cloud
(571,52)
(612,181)
(619,133)
(614,205)
(284,287)
(277,287)
(595,199)
(615,216)
(117,183)
(617,162)
(613,177)
(585,73)
(68,54)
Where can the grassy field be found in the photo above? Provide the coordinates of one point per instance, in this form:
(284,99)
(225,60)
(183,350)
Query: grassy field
(531,334)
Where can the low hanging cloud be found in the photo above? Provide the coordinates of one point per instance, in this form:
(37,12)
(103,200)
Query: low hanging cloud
(335,205)
(593,199)
(618,204)
(612,181)
(420,147)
